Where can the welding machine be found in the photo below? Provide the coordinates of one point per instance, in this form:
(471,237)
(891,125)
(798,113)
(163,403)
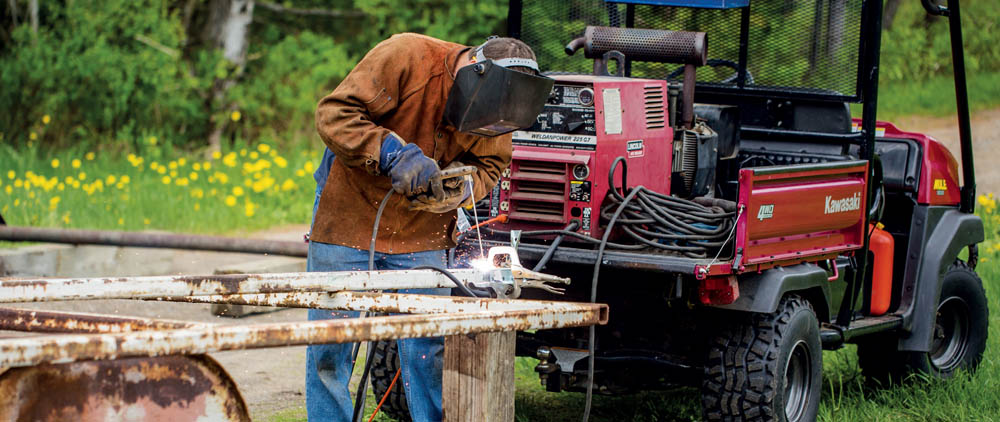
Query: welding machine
(559,171)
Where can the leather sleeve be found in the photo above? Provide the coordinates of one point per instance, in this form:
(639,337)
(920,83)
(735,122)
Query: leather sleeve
(490,156)
(346,118)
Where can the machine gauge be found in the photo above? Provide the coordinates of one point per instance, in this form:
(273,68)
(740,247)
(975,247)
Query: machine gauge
(586,97)
(581,171)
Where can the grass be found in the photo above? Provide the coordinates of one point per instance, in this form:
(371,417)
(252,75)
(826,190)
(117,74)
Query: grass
(157,187)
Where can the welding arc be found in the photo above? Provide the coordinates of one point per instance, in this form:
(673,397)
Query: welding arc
(670,223)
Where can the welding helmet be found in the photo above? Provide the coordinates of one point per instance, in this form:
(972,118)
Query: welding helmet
(490,99)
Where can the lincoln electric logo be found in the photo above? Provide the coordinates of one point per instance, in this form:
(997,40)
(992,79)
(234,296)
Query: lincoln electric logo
(850,203)
(765,212)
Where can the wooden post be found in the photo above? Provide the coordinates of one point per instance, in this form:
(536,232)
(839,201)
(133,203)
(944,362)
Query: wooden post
(479,377)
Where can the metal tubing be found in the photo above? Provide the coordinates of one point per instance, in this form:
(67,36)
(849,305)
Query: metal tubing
(18,352)
(30,320)
(962,107)
(153,240)
(380,302)
(176,286)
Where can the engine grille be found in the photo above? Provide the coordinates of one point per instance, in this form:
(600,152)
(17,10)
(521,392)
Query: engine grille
(538,191)
(655,117)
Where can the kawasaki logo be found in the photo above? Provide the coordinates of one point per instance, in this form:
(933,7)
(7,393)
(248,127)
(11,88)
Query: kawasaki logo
(765,212)
(851,203)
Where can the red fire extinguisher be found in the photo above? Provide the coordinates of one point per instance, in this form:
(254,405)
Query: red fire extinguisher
(881,245)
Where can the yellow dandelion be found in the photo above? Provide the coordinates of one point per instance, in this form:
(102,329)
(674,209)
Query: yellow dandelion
(46,119)
(182,181)
(145,221)
(173,173)
(154,165)
(238,191)
(8,189)
(309,167)
(230,200)
(31,195)
(152,140)
(61,186)
(206,165)
(82,176)
(263,148)
(11,174)
(182,161)
(216,155)
(32,136)
(90,156)
(249,209)
(172,165)
(230,159)
(300,173)
(53,203)
(125,179)
(161,170)
(111,179)
(18,183)
(121,221)
(288,185)
(165,180)
(193,176)
(243,152)
(197,206)
(65,218)
(196,166)
(280,162)
(55,163)
(235,116)
(17,201)
(75,163)
(273,153)
(254,155)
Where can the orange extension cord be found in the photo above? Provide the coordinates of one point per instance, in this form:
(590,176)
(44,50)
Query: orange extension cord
(386,395)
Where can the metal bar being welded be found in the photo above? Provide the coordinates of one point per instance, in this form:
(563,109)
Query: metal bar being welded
(378,302)
(30,320)
(178,286)
(18,352)
(153,240)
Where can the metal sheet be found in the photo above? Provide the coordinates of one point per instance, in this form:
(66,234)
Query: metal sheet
(168,388)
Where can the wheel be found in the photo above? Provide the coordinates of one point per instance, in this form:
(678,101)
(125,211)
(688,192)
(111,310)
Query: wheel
(385,363)
(767,368)
(960,332)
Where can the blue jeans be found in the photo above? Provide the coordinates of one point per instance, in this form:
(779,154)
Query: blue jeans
(328,366)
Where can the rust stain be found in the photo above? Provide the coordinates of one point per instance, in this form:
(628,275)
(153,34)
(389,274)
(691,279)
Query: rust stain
(230,283)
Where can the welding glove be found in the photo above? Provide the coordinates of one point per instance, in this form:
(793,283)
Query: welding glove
(411,171)
(457,193)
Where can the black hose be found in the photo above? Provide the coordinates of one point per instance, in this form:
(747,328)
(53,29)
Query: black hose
(359,398)
(597,270)
(552,248)
(465,289)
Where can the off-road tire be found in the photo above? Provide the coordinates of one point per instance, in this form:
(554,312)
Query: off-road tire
(384,365)
(750,364)
(961,328)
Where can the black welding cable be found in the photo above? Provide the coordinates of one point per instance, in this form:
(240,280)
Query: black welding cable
(359,398)
(458,283)
(552,248)
(597,270)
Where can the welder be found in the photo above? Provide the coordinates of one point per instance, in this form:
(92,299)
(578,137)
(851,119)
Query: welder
(412,106)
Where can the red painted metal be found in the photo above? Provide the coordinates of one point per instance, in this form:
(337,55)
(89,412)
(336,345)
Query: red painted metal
(881,245)
(537,191)
(721,290)
(938,167)
(800,213)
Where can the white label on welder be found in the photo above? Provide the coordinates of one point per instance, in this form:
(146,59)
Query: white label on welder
(561,138)
(612,111)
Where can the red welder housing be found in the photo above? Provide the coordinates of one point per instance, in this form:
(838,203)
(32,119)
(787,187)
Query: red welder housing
(560,166)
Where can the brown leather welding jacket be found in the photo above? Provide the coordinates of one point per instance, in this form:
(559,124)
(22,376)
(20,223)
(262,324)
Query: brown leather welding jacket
(400,86)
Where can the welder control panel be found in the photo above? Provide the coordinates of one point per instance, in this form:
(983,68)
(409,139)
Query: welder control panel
(569,110)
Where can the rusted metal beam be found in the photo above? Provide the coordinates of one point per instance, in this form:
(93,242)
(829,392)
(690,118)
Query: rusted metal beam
(19,352)
(177,286)
(381,302)
(30,320)
(153,240)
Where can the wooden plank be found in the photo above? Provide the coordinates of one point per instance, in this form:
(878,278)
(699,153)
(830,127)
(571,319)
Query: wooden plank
(479,378)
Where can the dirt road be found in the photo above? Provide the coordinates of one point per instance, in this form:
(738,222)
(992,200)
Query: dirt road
(985,140)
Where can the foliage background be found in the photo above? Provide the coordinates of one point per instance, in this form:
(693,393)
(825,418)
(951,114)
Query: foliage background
(114,72)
